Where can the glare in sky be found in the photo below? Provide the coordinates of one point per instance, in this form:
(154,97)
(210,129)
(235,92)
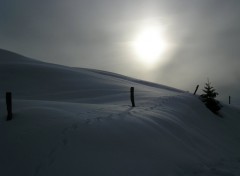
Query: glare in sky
(149,45)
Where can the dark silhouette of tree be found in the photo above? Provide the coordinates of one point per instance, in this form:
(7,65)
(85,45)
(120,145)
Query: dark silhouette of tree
(208,98)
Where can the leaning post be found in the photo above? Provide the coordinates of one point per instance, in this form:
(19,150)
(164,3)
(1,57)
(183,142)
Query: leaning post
(196,90)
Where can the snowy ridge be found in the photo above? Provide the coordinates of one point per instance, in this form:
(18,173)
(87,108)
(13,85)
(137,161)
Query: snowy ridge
(70,121)
(38,80)
(147,83)
(8,57)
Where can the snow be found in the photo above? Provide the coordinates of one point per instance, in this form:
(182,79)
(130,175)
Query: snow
(75,121)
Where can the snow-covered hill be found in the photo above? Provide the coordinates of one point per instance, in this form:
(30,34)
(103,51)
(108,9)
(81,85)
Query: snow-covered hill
(75,121)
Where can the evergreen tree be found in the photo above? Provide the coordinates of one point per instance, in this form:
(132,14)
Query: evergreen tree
(208,98)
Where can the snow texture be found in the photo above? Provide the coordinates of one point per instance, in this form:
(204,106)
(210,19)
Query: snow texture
(75,121)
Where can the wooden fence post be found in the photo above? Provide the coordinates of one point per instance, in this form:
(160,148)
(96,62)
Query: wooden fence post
(196,90)
(229,99)
(9,105)
(132,96)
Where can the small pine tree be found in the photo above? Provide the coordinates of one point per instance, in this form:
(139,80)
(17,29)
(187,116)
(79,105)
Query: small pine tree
(209,98)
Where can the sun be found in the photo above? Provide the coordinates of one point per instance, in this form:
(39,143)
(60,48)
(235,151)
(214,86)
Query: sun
(148,45)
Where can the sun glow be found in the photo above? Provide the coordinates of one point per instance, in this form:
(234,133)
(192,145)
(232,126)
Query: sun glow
(149,45)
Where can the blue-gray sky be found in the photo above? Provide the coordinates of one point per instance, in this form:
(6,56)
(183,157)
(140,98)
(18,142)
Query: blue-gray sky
(204,36)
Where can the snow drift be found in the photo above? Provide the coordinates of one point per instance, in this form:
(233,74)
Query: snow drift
(75,121)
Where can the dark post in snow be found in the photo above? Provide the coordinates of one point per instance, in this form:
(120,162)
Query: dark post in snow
(196,90)
(132,96)
(9,105)
(229,99)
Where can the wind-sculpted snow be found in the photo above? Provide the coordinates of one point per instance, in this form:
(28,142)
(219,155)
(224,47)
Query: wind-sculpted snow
(69,121)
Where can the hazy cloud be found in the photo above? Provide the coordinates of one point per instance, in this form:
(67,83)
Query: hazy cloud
(94,33)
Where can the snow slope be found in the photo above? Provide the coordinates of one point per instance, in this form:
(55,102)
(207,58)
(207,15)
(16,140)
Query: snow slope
(75,121)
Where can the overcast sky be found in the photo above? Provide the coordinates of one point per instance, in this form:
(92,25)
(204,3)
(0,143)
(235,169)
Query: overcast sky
(203,38)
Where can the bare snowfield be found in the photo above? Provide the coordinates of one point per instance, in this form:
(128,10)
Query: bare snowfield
(75,121)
